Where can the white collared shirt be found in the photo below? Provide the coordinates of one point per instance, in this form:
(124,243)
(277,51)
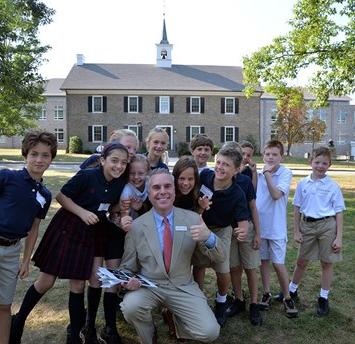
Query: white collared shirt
(272,213)
(318,198)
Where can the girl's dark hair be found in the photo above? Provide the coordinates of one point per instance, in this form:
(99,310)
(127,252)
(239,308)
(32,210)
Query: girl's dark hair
(32,138)
(181,165)
(110,147)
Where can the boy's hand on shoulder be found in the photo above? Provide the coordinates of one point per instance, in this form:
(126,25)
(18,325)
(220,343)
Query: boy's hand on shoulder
(298,237)
(337,245)
(88,217)
(24,270)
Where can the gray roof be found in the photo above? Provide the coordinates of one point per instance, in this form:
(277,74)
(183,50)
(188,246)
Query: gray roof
(95,76)
(53,87)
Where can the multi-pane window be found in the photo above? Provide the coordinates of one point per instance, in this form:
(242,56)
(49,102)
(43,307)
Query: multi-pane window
(273,134)
(133,104)
(97,133)
(342,138)
(194,130)
(97,104)
(2,139)
(229,105)
(341,117)
(195,105)
(134,128)
(323,115)
(273,115)
(229,134)
(164,104)
(59,133)
(42,114)
(59,112)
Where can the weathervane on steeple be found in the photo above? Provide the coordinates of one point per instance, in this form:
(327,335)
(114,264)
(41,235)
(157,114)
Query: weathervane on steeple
(164,48)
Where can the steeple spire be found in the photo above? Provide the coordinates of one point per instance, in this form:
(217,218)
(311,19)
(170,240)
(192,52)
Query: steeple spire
(164,39)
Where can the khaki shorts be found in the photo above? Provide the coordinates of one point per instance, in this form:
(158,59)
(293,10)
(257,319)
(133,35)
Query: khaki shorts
(202,261)
(242,252)
(317,242)
(9,266)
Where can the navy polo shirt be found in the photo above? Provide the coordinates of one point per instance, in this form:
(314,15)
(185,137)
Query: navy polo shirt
(160,165)
(247,172)
(228,206)
(18,204)
(246,185)
(89,188)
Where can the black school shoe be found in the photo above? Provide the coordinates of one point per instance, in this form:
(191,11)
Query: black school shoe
(89,336)
(237,306)
(255,315)
(280,296)
(265,303)
(220,312)
(16,331)
(323,307)
(109,336)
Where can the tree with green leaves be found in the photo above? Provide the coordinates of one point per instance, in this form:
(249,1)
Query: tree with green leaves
(292,123)
(322,39)
(21,54)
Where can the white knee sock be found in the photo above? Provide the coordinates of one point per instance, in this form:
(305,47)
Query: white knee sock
(324,293)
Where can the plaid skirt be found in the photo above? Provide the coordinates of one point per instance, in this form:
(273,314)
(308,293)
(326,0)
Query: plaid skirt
(68,247)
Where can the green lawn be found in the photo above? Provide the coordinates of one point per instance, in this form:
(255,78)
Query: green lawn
(48,321)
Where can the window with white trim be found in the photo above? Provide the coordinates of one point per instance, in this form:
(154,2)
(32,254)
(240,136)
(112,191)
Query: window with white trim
(229,134)
(229,106)
(323,115)
(97,104)
(273,134)
(341,139)
(195,105)
(42,114)
(164,104)
(133,104)
(194,130)
(2,139)
(59,134)
(97,133)
(341,118)
(59,112)
(134,128)
(273,115)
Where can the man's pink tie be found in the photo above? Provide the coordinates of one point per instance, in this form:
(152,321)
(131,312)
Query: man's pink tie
(168,244)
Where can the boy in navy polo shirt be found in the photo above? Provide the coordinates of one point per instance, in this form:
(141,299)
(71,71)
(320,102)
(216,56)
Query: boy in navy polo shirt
(227,216)
(24,201)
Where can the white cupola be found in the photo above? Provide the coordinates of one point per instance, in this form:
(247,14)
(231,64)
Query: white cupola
(164,50)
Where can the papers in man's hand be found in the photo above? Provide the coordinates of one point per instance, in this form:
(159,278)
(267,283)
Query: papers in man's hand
(109,278)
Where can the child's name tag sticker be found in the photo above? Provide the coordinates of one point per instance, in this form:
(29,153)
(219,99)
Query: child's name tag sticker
(104,206)
(181,228)
(206,191)
(40,199)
